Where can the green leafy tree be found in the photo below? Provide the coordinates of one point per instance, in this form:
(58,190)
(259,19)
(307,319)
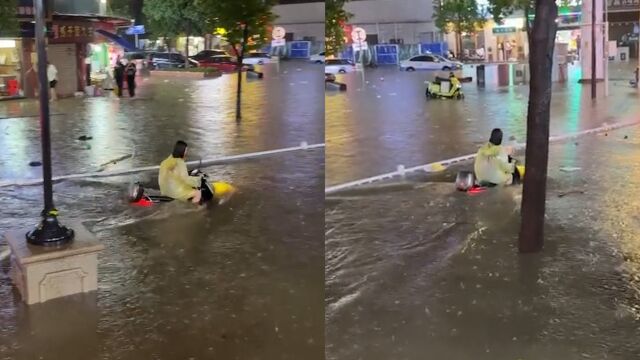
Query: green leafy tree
(8,20)
(172,18)
(459,16)
(246,23)
(120,8)
(541,30)
(335,18)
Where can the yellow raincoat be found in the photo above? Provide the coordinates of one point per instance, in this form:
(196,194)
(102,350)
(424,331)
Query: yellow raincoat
(492,165)
(174,179)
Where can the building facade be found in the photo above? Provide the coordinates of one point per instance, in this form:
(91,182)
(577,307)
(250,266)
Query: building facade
(395,21)
(302,20)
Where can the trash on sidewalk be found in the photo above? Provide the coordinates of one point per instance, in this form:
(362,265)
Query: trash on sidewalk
(85,138)
(569,169)
(35,163)
(571,192)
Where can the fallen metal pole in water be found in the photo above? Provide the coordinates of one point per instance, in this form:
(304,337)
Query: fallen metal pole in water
(205,162)
(431,167)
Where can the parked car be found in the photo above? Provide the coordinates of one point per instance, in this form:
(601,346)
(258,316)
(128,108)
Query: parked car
(256,58)
(342,66)
(317,58)
(167,60)
(429,62)
(204,54)
(140,58)
(224,63)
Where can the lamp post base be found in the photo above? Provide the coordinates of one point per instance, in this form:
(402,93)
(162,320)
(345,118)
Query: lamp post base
(49,232)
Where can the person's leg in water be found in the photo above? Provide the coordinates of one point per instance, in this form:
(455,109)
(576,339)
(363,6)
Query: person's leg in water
(131,84)
(516,176)
(119,84)
(196,196)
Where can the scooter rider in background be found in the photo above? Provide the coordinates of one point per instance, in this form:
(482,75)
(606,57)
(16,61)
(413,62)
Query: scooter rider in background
(453,80)
(494,164)
(174,179)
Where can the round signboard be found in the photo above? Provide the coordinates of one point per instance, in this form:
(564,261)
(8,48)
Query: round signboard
(278,33)
(358,35)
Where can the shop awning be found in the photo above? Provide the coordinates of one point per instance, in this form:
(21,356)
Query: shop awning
(117,39)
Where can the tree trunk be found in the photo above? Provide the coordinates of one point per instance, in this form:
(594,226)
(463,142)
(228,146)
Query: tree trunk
(541,43)
(240,55)
(186,47)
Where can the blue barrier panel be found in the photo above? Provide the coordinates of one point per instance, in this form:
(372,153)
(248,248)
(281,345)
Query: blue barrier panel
(386,54)
(300,49)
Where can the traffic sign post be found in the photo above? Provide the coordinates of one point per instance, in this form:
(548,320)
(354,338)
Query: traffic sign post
(359,37)
(278,41)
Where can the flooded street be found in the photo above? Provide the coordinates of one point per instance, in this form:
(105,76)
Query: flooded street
(386,120)
(239,281)
(418,270)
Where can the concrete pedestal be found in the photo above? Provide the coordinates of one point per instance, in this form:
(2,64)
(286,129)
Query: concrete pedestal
(44,273)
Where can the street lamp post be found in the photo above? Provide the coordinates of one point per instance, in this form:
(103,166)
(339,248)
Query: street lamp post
(593,49)
(49,231)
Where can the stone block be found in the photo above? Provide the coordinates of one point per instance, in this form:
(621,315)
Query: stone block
(43,273)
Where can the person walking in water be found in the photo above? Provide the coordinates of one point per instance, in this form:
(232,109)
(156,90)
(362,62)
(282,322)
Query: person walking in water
(130,73)
(52,76)
(118,75)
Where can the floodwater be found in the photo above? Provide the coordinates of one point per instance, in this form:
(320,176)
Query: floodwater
(239,281)
(417,270)
(384,120)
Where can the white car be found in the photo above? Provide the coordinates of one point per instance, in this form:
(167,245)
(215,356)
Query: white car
(317,58)
(256,58)
(429,62)
(338,66)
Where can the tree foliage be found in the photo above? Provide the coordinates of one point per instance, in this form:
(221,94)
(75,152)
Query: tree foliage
(233,16)
(172,18)
(121,8)
(8,20)
(458,16)
(335,18)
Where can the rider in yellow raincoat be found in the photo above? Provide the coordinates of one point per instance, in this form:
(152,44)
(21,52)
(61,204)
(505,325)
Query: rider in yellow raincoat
(492,163)
(454,82)
(174,178)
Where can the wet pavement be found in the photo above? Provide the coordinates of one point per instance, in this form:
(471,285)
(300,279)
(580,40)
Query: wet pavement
(417,270)
(239,281)
(384,120)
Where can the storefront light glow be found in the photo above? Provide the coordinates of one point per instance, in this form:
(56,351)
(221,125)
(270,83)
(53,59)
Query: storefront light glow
(513,22)
(7,44)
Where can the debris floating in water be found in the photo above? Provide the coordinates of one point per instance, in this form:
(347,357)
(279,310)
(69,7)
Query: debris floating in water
(85,138)
(35,163)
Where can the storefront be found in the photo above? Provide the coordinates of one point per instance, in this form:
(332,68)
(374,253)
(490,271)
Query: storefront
(507,41)
(11,70)
(83,50)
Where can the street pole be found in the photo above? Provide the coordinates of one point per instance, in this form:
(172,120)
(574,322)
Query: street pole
(606,47)
(245,36)
(49,231)
(593,50)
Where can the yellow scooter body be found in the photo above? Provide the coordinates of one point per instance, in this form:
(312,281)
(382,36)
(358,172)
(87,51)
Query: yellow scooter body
(520,170)
(223,191)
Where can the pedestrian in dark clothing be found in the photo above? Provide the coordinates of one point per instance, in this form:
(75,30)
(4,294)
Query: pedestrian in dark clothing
(130,73)
(118,74)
